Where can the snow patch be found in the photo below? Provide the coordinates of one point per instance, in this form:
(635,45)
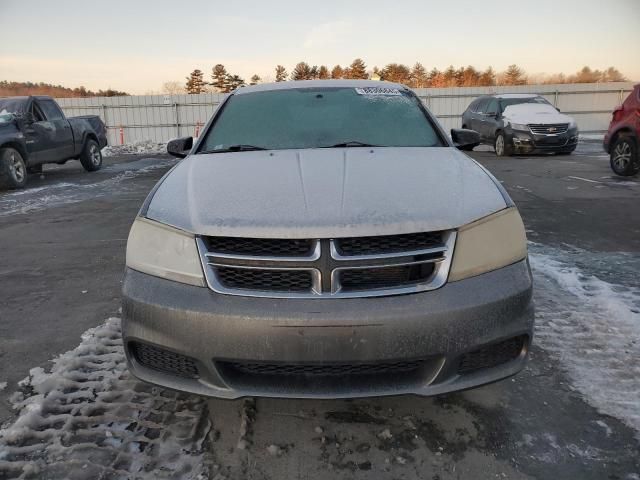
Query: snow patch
(593,328)
(3,385)
(89,418)
(145,147)
(65,193)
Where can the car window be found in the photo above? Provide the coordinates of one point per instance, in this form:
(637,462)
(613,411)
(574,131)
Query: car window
(473,105)
(493,106)
(38,116)
(322,117)
(51,110)
(482,104)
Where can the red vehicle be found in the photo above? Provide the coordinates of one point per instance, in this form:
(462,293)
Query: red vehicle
(623,137)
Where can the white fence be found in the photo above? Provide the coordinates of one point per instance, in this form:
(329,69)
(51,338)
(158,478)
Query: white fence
(162,117)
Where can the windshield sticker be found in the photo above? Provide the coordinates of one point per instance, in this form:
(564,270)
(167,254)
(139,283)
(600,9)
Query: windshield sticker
(378,91)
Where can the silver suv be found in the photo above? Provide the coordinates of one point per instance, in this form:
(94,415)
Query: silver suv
(326,239)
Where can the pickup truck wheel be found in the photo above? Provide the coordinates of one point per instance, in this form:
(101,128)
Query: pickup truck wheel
(13,170)
(91,157)
(624,156)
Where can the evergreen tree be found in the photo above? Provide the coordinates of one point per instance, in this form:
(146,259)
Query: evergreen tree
(195,83)
(233,82)
(395,72)
(323,72)
(612,74)
(255,80)
(487,78)
(450,77)
(469,77)
(313,73)
(281,73)
(337,72)
(302,71)
(357,70)
(436,78)
(418,76)
(219,78)
(515,76)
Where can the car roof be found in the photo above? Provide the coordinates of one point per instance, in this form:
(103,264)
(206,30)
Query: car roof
(516,95)
(289,85)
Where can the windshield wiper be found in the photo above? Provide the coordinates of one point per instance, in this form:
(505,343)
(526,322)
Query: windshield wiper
(352,143)
(234,148)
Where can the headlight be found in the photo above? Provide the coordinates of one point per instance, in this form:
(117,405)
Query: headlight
(519,126)
(164,251)
(573,124)
(488,244)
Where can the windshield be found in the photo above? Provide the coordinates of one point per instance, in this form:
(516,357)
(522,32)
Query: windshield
(9,107)
(321,117)
(506,102)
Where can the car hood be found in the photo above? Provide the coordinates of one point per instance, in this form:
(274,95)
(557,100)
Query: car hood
(526,113)
(325,193)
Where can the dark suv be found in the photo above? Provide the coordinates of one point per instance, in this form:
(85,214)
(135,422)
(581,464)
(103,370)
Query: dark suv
(521,123)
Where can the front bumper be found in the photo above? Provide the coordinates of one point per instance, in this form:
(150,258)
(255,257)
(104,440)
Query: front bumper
(437,327)
(528,142)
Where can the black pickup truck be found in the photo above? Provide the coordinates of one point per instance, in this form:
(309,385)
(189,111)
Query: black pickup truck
(35,131)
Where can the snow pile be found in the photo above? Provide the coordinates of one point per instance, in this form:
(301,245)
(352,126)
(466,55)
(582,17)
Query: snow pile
(3,385)
(593,327)
(145,147)
(88,418)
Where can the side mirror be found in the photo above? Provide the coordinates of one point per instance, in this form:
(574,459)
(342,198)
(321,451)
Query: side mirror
(180,147)
(465,139)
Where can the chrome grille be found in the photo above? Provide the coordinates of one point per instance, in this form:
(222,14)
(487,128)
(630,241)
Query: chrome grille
(327,268)
(549,128)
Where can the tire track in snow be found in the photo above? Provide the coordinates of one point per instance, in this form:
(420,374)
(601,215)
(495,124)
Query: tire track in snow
(89,418)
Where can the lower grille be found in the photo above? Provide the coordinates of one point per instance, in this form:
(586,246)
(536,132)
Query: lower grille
(385,277)
(492,355)
(549,129)
(323,370)
(266,280)
(164,360)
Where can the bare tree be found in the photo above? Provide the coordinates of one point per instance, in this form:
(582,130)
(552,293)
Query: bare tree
(173,87)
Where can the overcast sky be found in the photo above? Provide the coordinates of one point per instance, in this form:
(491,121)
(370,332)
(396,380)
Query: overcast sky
(136,46)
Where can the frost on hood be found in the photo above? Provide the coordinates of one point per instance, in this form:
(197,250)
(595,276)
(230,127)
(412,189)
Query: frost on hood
(88,418)
(535,113)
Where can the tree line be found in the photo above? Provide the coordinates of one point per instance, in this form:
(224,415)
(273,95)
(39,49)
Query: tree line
(416,76)
(15,89)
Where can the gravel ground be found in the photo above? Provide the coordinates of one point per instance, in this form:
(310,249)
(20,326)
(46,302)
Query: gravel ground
(572,413)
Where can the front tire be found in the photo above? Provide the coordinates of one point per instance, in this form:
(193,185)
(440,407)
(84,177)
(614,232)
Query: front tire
(624,157)
(13,169)
(91,156)
(501,147)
